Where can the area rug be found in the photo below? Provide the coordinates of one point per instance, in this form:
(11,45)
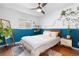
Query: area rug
(54,53)
(19,51)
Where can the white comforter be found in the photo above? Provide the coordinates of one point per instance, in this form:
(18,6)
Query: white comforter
(36,41)
(39,43)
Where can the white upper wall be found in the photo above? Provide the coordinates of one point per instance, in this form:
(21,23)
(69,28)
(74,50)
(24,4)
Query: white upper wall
(50,21)
(15,16)
(46,21)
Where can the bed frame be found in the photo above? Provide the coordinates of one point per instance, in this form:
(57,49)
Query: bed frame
(38,51)
(54,31)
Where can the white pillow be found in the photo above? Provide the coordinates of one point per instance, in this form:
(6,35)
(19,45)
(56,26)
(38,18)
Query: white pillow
(46,33)
(54,34)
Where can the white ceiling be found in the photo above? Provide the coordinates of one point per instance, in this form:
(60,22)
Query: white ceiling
(25,7)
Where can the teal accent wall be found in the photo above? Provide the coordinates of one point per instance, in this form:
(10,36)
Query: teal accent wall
(19,33)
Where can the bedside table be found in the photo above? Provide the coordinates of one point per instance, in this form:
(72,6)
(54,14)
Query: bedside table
(66,42)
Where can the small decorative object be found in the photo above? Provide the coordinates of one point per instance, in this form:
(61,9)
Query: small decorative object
(36,28)
(68,36)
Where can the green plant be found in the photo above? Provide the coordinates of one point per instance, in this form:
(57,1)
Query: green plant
(68,31)
(0,39)
(63,13)
(1,27)
(1,30)
(7,32)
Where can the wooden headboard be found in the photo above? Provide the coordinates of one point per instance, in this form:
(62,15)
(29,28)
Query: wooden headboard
(53,30)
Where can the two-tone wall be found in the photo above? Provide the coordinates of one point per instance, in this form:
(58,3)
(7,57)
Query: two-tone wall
(15,17)
(52,21)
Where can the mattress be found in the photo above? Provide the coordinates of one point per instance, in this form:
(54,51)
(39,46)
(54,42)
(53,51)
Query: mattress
(36,41)
(39,43)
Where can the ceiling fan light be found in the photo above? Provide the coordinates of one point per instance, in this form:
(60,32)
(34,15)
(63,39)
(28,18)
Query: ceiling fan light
(38,10)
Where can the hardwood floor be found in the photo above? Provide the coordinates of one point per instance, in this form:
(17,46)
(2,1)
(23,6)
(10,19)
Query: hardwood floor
(66,51)
(5,51)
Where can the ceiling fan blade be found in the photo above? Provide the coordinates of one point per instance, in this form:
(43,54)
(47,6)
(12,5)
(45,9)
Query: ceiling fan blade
(44,4)
(33,8)
(36,8)
(42,12)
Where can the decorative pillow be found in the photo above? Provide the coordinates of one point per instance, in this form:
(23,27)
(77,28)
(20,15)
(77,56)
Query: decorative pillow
(47,33)
(54,34)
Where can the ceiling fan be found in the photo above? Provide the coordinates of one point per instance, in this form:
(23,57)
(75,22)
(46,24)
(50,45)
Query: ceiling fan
(40,7)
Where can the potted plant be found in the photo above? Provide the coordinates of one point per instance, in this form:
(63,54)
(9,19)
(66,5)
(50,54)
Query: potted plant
(1,30)
(7,33)
(68,32)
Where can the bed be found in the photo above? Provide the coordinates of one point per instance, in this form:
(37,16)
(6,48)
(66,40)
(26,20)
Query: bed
(39,43)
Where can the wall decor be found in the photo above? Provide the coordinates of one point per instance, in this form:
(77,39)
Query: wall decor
(70,15)
(26,24)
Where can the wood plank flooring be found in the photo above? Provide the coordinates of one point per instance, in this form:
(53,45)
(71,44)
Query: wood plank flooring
(5,51)
(66,51)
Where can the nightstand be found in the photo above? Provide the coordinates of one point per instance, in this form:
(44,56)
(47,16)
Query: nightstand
(66,42)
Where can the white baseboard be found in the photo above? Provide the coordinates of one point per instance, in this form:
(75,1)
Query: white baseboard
(75,48)
(17,42)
